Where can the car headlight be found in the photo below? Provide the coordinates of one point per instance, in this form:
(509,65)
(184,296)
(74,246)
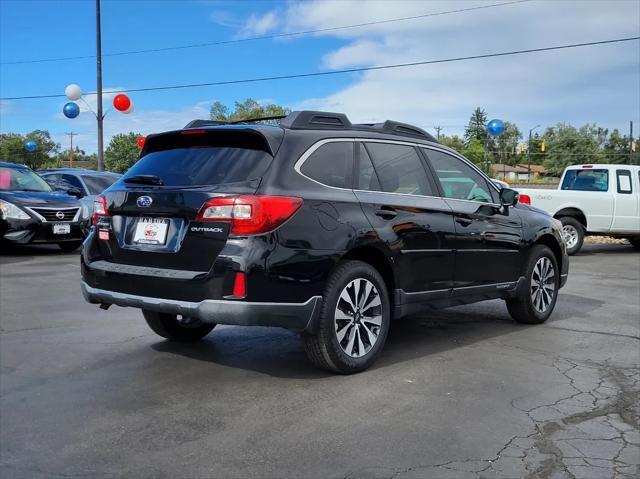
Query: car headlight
(11,211)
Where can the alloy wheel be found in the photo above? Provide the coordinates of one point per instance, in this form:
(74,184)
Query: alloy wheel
(543,284)
(358,317)
(571,235)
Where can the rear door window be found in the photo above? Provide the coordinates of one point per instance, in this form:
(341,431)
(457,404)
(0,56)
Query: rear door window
(399,169)
(201,166)
(96,184)
(586,180)
(367,179)
(624,181)
(331,164)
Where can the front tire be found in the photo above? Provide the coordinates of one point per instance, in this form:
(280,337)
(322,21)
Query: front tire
(170,327)
(70,245)
(353,322)
(537,298)
(573,233)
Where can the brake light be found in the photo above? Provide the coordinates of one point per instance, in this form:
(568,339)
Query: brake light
(587,166)
(524,199)
(250,215)
(99,208)
(193,132)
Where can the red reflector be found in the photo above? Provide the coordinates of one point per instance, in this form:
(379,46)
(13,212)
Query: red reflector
(524,199)
(103,235)
(250,215)
(99,208)
(192,132)
(240,285)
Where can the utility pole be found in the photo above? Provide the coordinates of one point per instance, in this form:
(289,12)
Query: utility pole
(438,129)
(99,115)
(70,135)
(630,142)
(529,164)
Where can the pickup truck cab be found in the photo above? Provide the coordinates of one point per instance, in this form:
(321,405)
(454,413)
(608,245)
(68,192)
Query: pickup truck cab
(594,199)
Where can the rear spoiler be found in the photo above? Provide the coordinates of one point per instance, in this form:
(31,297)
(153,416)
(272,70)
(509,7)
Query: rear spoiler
(263,139)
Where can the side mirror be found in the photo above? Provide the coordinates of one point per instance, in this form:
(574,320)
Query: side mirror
(74,192)
(509,197)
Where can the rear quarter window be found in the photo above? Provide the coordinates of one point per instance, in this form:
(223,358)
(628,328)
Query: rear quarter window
(331,164)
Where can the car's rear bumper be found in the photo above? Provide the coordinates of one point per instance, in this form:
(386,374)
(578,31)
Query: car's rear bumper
(294,316)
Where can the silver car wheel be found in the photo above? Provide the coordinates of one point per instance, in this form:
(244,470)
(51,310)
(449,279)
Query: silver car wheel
(543,284)
(571,235)
(358,317)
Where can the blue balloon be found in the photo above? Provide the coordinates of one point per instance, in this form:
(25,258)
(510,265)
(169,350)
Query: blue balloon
(495,127)
(30,146)
(71,110)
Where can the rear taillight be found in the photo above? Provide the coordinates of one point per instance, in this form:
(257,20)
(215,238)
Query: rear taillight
(250,215)
(99,208)
(524,199)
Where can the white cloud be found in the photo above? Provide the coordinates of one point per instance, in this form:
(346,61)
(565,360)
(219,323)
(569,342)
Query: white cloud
(597,83)
(259,24)
(7,107)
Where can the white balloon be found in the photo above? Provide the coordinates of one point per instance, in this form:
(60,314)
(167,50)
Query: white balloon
(73,92)
(129,110)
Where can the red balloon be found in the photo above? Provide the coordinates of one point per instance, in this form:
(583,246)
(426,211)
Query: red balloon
(121,102)
(140,141)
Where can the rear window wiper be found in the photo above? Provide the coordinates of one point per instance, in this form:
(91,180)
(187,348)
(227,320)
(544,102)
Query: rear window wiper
(145,180)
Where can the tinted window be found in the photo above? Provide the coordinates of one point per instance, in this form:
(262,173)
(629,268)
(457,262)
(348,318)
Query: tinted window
(624,181)
(202,166)
(367,178)
(586,180)
(399,169)
(74,182)
(331,164)
(21,179)
(96,184)
(458,180)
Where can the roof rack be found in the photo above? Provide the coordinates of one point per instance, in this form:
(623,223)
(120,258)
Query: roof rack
(323,120)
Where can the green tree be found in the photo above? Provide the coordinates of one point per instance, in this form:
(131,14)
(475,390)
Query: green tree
(567,145)
(474,151)
(454,142)
(12,148)
(617,148)
(477,127)
(504,147)
(122,152)
(246,110)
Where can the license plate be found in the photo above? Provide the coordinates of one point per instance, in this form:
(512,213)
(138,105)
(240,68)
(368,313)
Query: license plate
(151,231)
(61,229)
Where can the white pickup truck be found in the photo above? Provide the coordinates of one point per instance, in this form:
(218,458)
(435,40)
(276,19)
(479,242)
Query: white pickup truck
(594,199)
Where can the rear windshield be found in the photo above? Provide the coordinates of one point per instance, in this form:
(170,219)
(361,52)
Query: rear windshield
(586,180)
(96,184)
(202,165)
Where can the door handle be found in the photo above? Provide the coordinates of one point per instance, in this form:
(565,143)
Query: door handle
(464,221)
(387,213)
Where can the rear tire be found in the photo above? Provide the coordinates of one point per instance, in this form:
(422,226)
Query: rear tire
(168,326)
(573,232)
(70,245)
(537,298)
(353,322)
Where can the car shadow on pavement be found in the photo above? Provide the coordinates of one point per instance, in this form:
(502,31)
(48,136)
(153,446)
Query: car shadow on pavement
(10,253)
(590,249)
(279,353)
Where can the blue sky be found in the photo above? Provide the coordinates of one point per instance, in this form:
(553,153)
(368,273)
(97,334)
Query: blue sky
(594,84)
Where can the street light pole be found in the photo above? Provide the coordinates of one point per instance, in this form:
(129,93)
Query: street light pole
(99,114)
(529,164)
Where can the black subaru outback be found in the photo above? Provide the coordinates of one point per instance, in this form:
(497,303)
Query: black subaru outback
(318,225)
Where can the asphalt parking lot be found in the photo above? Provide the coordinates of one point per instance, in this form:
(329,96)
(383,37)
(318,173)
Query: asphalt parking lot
(460,393)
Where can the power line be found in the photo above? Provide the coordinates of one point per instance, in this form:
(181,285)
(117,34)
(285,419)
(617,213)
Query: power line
(264,37)
(338,72)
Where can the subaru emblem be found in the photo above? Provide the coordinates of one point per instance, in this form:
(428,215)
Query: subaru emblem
(144,201)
